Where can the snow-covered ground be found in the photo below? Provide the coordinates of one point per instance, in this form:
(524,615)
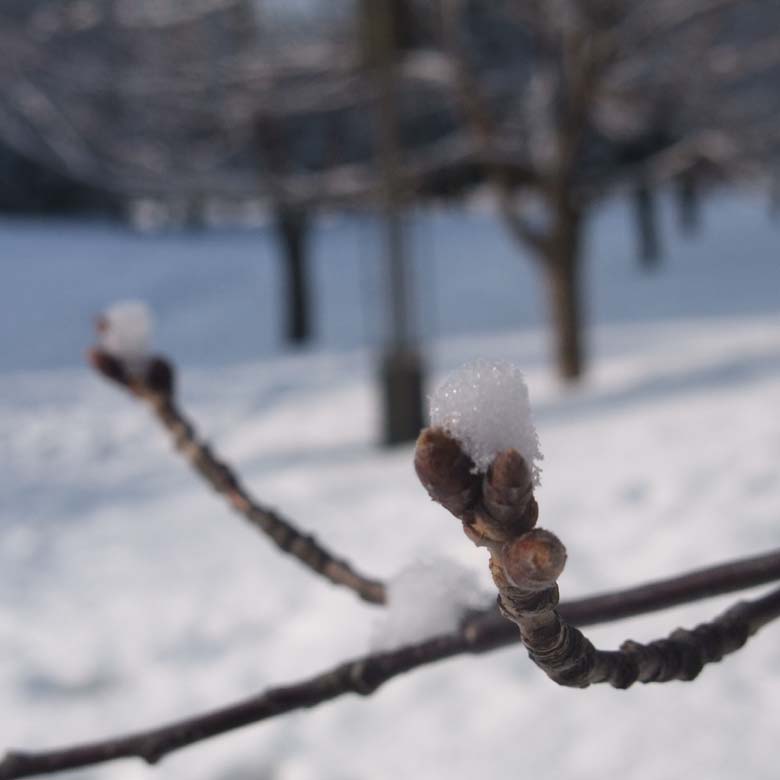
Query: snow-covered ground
(130,596)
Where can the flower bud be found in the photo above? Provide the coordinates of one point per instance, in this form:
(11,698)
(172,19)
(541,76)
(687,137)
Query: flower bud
(507,493)
(108,366)
(533,561)
(159,376)
(446,472)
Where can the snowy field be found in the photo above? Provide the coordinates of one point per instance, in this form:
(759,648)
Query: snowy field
(130,596)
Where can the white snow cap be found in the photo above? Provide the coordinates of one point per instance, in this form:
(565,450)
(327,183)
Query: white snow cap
(425,599)
(485,406)
(125,330)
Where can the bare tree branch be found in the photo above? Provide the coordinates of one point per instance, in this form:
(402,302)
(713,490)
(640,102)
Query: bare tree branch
(154,387)
(566,655)
(662,594)
(499,512)
(478,633)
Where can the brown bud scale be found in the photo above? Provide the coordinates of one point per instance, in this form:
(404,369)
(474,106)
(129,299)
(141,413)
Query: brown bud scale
(507,493)
(446,471)
(533,561)
(159,376)
(108,366)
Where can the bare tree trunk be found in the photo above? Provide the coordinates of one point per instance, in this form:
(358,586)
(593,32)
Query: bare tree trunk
(774,195)
(402,393)
(647,227)
(401,373)
(562,272)
(688,203)
(291,228)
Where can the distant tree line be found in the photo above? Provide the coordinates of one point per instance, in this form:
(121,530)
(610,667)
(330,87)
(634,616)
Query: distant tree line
(555,104)
(29,187)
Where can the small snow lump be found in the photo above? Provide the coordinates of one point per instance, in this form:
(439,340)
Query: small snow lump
(427,598)
(485,406)
(124,331)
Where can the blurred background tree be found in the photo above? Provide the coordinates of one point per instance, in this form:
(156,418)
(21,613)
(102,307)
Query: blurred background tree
(379,106)
(604,95)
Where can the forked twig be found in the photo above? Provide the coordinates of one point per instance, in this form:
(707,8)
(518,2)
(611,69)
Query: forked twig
(154,385)
(498,511)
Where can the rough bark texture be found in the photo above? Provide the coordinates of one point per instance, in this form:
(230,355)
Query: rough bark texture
(565,654)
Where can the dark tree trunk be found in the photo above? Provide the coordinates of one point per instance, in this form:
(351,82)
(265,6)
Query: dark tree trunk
(291,227)
(774,196)
(562,271)
(688,208)
(401,370)
(647,227)
(402,396)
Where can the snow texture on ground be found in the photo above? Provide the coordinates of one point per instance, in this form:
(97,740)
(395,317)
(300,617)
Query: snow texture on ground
(129,595)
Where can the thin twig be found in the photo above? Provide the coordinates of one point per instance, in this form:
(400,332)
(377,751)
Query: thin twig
(154,386)
(498,511)
(479,633)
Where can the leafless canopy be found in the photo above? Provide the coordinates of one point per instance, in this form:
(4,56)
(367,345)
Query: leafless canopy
(167,97)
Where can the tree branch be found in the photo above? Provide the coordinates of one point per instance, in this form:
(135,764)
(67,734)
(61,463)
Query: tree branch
(566,655)
(478,633)
(498,511)
(154,386)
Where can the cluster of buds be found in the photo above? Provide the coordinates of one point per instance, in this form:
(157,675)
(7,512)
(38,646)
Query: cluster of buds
(140,374)
(156,376)
(497,508)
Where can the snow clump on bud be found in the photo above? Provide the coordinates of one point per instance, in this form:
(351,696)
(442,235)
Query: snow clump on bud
(485,406)
(124,332)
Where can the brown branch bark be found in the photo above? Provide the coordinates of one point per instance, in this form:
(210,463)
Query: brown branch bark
(499,512)
(657,595)
(566,655)
(154,386)
(479,633)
